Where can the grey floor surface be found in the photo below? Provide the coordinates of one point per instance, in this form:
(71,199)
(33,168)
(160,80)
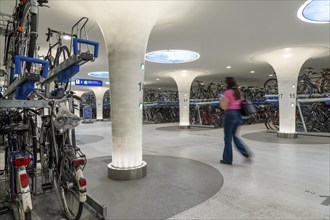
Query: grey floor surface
(263,136)
(172,185)
(46,206)
(284,180)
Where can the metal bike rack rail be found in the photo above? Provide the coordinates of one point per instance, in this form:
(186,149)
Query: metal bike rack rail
(73,60)
(4,103)
(100,209)
(308,101)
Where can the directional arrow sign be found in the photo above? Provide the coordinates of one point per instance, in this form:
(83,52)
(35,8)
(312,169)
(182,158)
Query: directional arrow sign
(326,202)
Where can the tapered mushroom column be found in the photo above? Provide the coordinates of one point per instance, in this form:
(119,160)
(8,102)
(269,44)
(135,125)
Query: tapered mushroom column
(126,27)
(183,80)
(78,93)
(99,95)
(287,63)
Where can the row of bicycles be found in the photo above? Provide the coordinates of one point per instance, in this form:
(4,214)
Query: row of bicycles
(309,82)
(38,151)
(315,116)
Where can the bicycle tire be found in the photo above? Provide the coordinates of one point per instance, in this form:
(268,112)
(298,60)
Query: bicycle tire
(271,86)
(62,53)
(45,154)
(31,32)
(325,89)
(27,215)
(69,190)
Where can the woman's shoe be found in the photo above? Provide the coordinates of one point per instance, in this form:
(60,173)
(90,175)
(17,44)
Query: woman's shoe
(225,162)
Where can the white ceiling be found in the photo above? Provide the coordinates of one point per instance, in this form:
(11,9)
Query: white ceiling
(222,32)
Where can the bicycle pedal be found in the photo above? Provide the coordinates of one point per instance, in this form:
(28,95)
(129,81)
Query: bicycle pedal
(4,210)
(46,186)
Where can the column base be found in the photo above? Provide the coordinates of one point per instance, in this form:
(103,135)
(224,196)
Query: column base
(127,174)
(184,126)
(287,135)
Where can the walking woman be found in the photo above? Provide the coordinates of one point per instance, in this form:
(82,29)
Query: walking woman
(231,103)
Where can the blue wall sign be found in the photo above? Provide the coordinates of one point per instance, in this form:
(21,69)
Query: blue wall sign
(88,82)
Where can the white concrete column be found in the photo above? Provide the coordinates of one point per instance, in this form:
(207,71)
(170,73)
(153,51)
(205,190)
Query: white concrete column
(99,94)
(78,93)
(184,79)
(287,63)
(126,26)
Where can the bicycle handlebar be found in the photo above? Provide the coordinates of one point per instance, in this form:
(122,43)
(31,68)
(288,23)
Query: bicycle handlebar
(57,100)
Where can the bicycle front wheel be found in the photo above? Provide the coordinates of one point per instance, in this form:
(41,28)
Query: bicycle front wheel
(28,39)
(69,190)
(270,86)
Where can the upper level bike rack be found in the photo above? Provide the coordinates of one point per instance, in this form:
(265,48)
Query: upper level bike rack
(25,85)
(69,67)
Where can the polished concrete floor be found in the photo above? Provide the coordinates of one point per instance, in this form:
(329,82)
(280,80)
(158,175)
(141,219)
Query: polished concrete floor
(286,179)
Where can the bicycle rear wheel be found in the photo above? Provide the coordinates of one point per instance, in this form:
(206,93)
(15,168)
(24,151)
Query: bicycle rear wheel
(69,190)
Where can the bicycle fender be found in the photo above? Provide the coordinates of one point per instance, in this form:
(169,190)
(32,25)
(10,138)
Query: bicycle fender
(25,192)
(82,190)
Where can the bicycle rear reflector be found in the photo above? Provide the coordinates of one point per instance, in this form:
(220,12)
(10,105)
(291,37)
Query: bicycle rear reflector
(25,161)
(24,180)
(77,162)
(82,182)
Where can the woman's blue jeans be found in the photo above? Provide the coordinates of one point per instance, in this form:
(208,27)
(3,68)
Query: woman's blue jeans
(232,120)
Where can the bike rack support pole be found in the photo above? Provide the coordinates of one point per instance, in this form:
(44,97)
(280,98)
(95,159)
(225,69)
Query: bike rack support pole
(301,115)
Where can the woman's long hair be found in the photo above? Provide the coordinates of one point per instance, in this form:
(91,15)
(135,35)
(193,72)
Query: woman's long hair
(231,84)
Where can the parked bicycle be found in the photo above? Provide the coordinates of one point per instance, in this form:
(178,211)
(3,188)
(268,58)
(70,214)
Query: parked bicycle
(312,82)
(61,160)
(19,163)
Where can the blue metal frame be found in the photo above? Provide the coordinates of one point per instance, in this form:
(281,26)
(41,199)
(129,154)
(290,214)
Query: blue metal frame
(19,59)
(76,41)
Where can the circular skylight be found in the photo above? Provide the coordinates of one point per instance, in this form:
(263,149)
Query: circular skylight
(315,11)
(103,74)
(172,56)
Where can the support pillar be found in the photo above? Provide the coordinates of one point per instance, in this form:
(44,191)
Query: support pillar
(126,27)
(99,94)
(183,80)
(77,111)
(287,63)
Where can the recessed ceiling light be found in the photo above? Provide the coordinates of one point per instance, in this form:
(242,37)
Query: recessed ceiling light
(103,74)
(252,71)
(228,67)
(66,37)
(159,88)
(271,75)
(315,11)
(157,79)
(172,56)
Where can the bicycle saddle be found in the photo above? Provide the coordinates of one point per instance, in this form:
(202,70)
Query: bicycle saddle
(16,128)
